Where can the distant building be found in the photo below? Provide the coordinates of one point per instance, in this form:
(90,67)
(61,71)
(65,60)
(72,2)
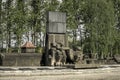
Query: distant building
(28,47)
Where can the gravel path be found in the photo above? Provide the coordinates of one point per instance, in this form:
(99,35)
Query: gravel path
(62,74)
(101,76)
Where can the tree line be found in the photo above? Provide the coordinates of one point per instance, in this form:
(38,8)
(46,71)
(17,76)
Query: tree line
(95,22)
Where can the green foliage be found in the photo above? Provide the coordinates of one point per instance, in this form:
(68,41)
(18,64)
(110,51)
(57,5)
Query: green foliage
(39,50)
(116,48)
(70,7)
(53,5)
(19,21)
(99,20)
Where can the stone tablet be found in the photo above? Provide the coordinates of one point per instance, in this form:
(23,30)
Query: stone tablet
(56,17)
(56,22)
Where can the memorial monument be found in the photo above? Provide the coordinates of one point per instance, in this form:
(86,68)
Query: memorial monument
(57,51)
(55,34)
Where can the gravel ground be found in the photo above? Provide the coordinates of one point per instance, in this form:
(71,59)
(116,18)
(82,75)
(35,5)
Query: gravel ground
(110,76)
(65,74)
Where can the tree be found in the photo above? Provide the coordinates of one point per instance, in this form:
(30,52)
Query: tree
(37,21)
(0,12)
(8,24)
(71,7)
(19,20)
(99,19)
(52,5)
(116,48)
(0,22)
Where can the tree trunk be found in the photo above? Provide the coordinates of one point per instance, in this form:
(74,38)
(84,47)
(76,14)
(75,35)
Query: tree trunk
(33,38)
(74,36)
(9,40)
(44,39)
(19,44)
(0,19)
(6,43)
(80,35)
(40,40)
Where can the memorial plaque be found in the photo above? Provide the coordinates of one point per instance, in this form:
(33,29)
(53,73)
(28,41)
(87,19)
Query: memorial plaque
(56,22)
(57,28)
(56,17)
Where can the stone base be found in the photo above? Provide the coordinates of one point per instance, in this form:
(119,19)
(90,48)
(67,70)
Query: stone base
(28,59)
(117,58)
(78,66)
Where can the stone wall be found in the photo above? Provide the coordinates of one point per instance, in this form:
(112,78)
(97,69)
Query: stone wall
(22,59)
